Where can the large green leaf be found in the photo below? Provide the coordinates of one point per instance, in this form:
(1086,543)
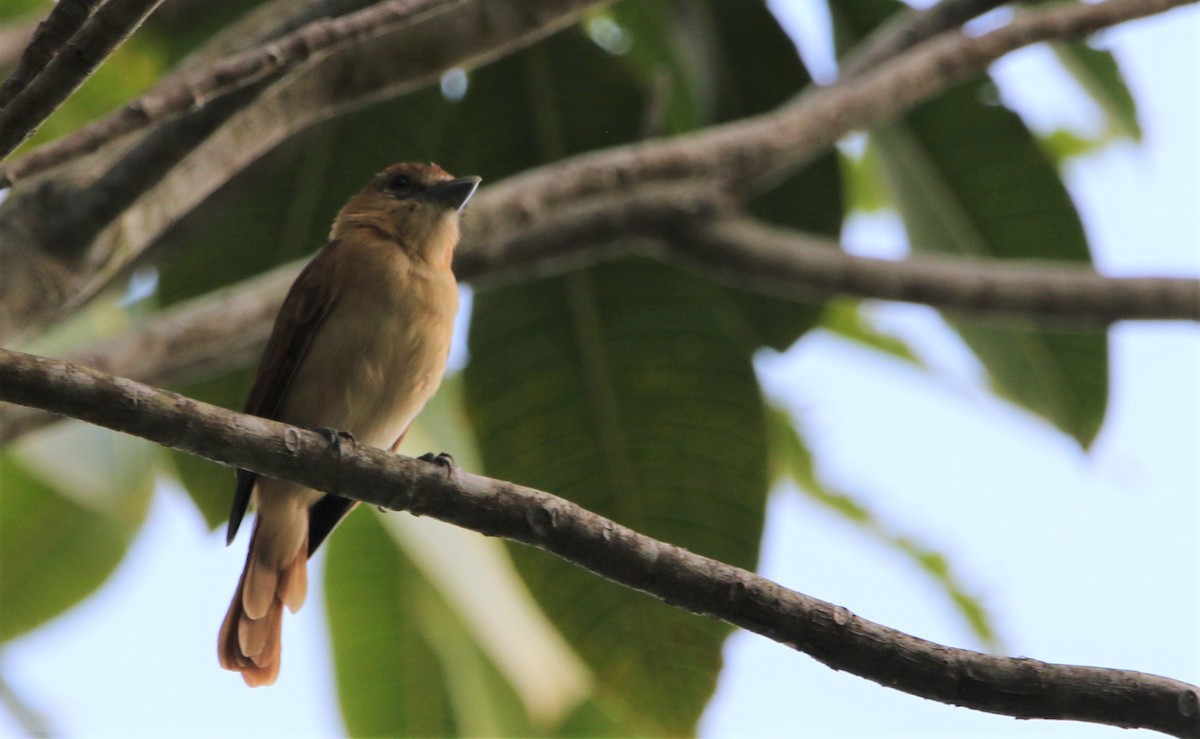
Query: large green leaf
(54,550)
(970,179)
(407,665)
(621,388)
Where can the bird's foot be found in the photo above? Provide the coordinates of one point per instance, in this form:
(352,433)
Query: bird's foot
(441,459)
(335,438)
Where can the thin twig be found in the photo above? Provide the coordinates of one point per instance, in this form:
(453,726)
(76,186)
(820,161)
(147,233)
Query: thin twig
(906,30)
(51,35)
(99,35)
(1023,688)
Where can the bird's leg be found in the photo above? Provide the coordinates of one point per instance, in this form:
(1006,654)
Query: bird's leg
(441,459)
(335,437)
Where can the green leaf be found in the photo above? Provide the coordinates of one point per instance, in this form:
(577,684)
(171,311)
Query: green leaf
(406,664)
(1100,77)
(791,459)
(1002,200)
(1062,144)
(863,181)
(54,551)
(620,388)
(843,316)
(970,179)
(390,681)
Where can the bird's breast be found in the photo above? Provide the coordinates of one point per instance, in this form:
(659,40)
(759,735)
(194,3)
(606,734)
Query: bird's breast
(379,355)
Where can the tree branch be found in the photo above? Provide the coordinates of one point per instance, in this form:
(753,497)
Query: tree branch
(906,30)
(63,237)
(680,224)
(96,38)
(1023,688)
(112,230)
(48,38)
(225,76)
(791,265)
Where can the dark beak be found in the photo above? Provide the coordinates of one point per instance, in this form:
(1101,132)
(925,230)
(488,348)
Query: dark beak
(453,194)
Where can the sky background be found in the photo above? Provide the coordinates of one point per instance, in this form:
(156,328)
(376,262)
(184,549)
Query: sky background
(1083,558)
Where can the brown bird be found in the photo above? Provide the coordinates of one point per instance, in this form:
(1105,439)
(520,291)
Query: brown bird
(359,345)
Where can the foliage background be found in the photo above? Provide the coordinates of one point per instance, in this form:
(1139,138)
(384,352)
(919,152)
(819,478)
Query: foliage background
(1061,549)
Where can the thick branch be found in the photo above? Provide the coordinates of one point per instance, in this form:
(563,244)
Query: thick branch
(1023,688)
(98,36)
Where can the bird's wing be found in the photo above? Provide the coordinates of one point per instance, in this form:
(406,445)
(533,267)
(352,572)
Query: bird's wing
(304,309)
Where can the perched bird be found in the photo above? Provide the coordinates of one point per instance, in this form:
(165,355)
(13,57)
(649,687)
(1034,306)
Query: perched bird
(359,346)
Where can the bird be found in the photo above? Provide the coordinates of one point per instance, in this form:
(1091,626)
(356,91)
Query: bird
(359,346)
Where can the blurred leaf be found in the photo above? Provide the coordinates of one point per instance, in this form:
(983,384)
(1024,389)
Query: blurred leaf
(862,177)
(1098,74)
(1002,200)
(1062,144)
(405,664)
(843,316)
(20,8)
(208,484)
(390,681)
(54,551)
(791,459)
(619,389)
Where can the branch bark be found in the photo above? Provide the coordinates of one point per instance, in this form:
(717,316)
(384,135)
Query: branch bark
(48,38)
(97,37)
(1022,688)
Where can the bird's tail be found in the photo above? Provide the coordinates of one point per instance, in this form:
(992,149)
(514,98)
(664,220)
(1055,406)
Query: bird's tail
(276,574)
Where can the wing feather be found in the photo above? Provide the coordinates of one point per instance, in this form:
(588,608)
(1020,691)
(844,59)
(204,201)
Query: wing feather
(306,306)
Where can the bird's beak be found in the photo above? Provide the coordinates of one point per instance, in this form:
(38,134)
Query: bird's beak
(453,194)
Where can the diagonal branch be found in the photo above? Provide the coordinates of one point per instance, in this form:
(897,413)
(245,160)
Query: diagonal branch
(98,36)
(48,38)
(1023,688)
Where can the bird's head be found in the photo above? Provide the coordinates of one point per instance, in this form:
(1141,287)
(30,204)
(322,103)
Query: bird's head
(415,205)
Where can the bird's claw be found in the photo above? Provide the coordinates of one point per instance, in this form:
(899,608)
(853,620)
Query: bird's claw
(335,437)
(441,459)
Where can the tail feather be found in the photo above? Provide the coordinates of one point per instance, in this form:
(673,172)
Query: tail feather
(249,641)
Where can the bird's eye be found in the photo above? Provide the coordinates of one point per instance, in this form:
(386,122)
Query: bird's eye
(397,182)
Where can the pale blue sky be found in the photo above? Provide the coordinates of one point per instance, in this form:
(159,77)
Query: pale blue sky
(1089,559)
